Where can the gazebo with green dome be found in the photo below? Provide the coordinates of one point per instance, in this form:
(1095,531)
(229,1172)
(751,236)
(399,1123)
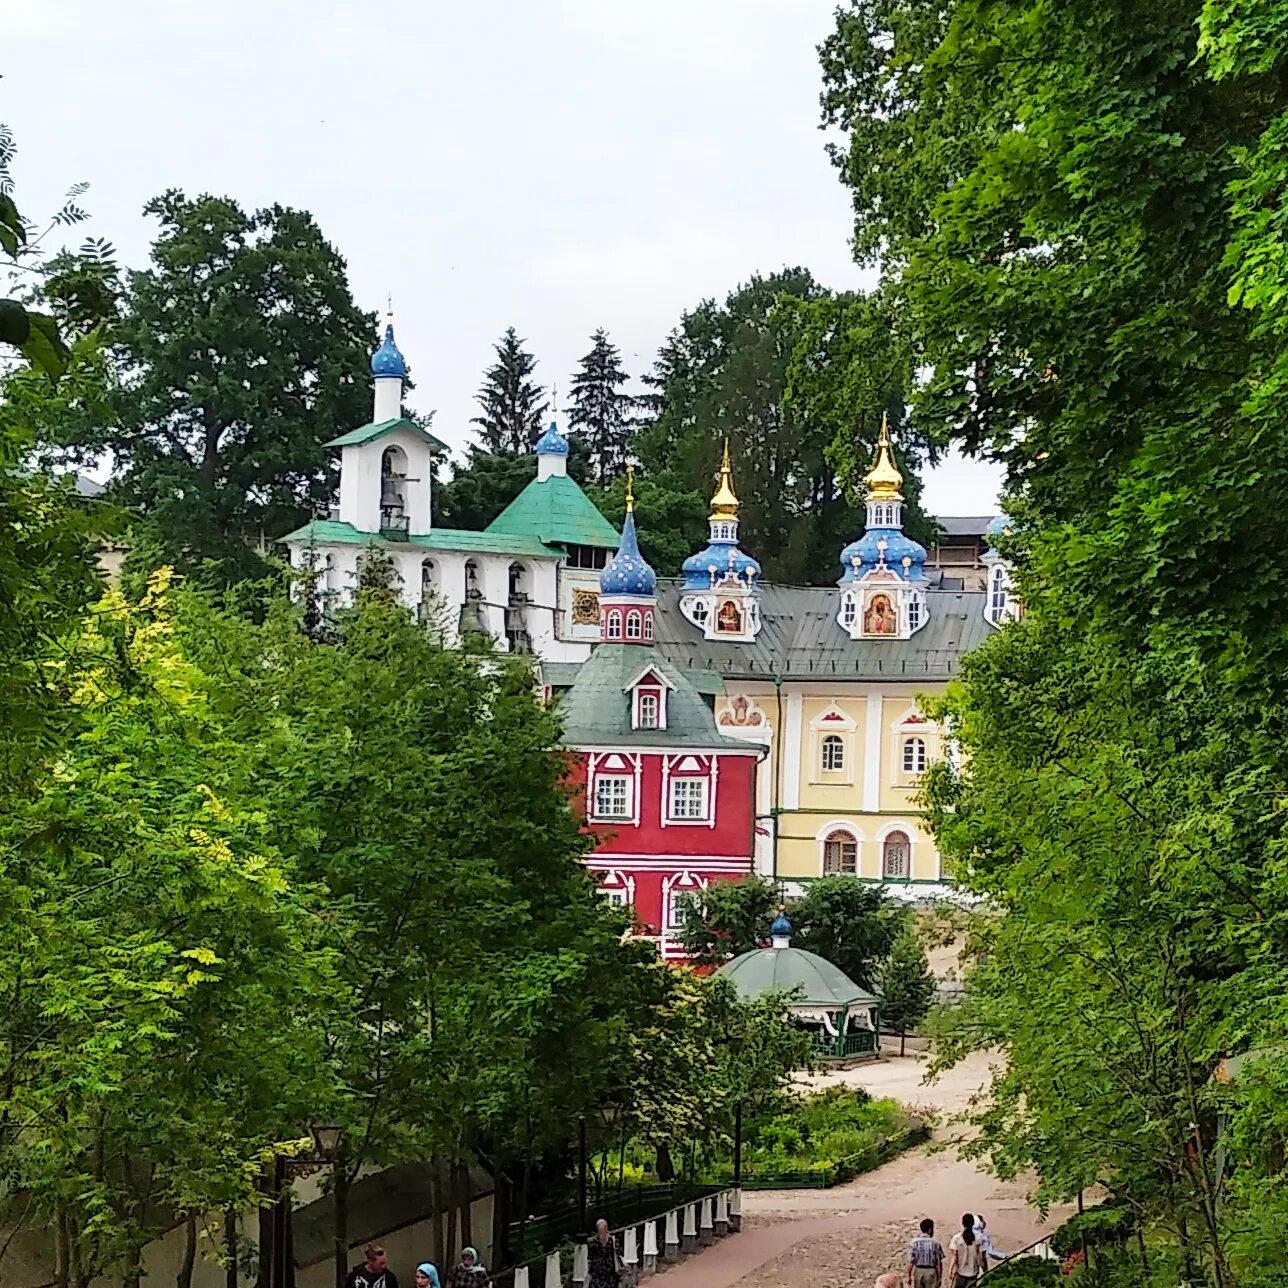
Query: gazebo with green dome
(822,998)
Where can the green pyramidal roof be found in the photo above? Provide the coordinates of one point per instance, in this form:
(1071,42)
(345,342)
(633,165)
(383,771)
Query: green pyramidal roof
(365,433)
(555,510)
(783,970)
(597,709)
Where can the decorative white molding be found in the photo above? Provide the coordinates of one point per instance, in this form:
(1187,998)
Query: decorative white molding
(792,737)
(872,751)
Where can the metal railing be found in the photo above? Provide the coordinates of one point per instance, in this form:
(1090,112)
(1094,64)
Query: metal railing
(644,1245)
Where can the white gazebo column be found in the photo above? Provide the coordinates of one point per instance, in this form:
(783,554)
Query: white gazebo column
(631,1252)
(580,1264)
(735,1210)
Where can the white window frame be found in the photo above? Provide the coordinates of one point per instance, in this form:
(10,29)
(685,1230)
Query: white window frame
(915,755)
(906,874)
(634,625)
(914,612)
(678,787)
(648,709)
(648,626)
(628,787)
(613,624)
(835,744)
(841,838)
(997,593)
(618,895)
(671,906)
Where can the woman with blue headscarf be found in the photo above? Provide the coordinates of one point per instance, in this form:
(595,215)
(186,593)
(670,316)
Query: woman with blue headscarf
(427,1276)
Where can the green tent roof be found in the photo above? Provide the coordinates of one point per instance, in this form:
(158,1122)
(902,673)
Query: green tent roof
(782,970)
(597,709)
(366,433)
(556,510)
(324,532)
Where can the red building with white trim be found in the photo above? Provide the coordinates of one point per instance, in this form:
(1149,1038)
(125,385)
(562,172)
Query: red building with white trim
(670,799)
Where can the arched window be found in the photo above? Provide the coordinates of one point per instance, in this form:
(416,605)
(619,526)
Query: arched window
(849,610)
(633,624)
(613,624)
(914,613)
(914,755)
(701,611)
(996,594)
(330,576)
(472,588)
(832,752)
(840,854)
(518,581)
(896,857)
(648,626)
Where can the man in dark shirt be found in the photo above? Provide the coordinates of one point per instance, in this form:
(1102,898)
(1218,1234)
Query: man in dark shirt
(926,1258)
(374,1271)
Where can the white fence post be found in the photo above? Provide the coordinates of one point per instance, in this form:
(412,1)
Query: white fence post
(673,1235)
(554,1276)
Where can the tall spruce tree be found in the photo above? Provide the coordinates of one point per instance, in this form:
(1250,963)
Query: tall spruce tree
(241,354)
(601,410)
(510,399)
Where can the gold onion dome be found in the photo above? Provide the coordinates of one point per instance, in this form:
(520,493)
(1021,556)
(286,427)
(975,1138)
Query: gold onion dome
(883,480)
(724,505)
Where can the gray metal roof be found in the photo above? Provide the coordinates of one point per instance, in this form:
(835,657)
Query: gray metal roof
(800,638)
(958,525)
(597,709)
(814,980)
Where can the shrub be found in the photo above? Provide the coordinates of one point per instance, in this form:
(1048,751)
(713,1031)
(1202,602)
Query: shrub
(1024,1271)
(1104,1225)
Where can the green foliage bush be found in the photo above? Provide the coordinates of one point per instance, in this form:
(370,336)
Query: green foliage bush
(1105,1224)
(840,1131)
(1024,1271)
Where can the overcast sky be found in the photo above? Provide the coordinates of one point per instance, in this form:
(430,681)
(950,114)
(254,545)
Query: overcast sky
(554,165)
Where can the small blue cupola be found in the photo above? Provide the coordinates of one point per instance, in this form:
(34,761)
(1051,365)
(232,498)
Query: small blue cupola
(883,574)
(387,360)
(552,453)
(781,931)
(720,589)
(627,585)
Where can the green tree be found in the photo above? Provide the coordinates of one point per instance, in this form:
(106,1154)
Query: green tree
(728,917)
(510,400)
(600,411)
(478,491)
(725,372)
(672,521)
(163,982)
(906,984)
(1074,214)
(851,923)
(241,354)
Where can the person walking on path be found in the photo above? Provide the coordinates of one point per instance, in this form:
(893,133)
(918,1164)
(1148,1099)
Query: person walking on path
(427,1276)
(469,1272)
(374,1272)
(986,1244)
(926,1258)
(604,1265)
(966,1258)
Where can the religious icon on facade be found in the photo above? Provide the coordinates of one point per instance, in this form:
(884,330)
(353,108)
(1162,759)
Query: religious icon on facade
(879,617)
(729,618)
(741,713)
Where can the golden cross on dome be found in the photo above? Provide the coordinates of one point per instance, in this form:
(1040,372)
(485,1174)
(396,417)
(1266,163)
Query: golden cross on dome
(630,489)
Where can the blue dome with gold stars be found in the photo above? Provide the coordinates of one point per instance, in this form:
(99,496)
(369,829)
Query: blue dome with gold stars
(626,573)
(387,361)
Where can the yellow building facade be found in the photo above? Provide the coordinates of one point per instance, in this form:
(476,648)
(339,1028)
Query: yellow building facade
(832,683)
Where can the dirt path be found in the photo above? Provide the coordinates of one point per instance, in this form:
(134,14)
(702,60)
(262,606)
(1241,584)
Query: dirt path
(844,1237)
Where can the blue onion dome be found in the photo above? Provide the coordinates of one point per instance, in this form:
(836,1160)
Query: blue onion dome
(867,550)
(996,527)
(722,557)
(626,573)
(387,361)
(782,928)
(552,442)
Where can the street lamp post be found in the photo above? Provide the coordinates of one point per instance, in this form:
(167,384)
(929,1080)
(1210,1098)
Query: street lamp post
(327,1141)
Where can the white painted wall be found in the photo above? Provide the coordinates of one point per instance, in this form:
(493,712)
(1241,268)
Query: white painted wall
(360,481)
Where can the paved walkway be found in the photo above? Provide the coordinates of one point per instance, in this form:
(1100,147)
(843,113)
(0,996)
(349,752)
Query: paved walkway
(844,1237)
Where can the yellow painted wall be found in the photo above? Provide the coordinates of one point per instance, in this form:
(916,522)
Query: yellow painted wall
(824,797)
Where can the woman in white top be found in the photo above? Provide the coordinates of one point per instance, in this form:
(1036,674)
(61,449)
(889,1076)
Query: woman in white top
(985,1241)
(966,1257)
